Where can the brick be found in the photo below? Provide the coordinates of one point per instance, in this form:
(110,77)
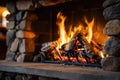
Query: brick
(25,34)
(26,46)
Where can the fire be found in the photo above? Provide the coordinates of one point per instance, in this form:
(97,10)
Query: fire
(90,27)
(76,45)
(64,38)
(4,14)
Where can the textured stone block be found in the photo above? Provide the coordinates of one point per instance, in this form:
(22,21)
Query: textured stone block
(111,63)
(112,12)
(10,37)
(24,25)
(26,46)
(14,45)
(112,27)
(21,15)
(11,25)
(10,17)
(11,6)
(10,55)
(24,4)
(25,34)
(110,2)
(24,57)
(112,46)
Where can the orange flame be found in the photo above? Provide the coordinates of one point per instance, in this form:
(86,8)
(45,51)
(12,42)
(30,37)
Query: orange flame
(4,21)
(65,38)
(90,27)
(5,13)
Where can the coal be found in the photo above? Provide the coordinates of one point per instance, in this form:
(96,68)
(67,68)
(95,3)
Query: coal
(111,63)
(112,46)
(112,12)
(110,2)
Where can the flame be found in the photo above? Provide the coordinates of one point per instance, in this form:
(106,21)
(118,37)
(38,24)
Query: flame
(65,37)
(62,33)
(90,27)
(101,54)
(5,13)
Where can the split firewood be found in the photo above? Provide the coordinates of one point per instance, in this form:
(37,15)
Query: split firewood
(85,44)
(99,47)
(51,48)
(48,47)
(70,45)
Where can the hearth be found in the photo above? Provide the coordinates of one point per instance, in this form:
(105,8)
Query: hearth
(64,32)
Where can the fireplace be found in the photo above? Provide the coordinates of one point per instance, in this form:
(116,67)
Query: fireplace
(35,26)
(77,14)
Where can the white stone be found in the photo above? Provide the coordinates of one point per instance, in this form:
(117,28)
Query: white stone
(26,46)
(25,34)
(14,45)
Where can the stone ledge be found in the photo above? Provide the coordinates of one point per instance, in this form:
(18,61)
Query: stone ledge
(59,71)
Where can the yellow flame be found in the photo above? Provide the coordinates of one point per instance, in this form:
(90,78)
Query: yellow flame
(5,13)
(90,27)
(101,54)
(64,38)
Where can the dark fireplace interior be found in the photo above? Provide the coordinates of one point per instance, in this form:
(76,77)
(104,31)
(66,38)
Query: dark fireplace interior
(75,12)
(46,28)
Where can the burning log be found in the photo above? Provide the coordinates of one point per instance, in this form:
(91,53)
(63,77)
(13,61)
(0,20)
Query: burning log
(88,50)
(48,47)
(50,50)
(70,45)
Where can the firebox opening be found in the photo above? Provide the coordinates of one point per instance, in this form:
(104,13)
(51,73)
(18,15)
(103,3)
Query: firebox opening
(47,31)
